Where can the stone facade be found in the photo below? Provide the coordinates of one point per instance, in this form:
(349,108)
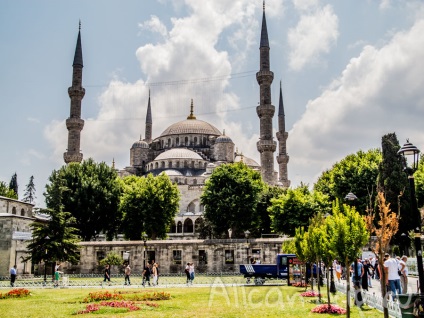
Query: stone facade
(15,218)
(172,255)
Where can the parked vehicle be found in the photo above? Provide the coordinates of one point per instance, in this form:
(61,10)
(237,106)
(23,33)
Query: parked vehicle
(287,266)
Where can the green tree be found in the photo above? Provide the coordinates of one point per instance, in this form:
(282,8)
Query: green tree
(56,239)
(13,184)
(112,258)
(263,223)
(355,173)
(294,209)
(392,180)
(148,204)
(92,198)
(6,192)
(347,235)
(29,195)
(230,198)
(419,183)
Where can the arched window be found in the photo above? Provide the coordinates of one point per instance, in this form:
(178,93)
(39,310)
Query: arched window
(177,141)
(163,164)
(156,165)
(179,227)
(192,164)
(161,143)
(14,210)
(195,141)
(204,141)
(194,181)
(178,164)
(185,164)
(173,228)
(169,142)
(191,207)
(188,226)
(22,212)
(186,141)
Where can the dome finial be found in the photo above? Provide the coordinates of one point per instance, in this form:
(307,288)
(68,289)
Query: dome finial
(264,5)
(191,116)
(223,132)
(113,163)
(140,138)
(79,27)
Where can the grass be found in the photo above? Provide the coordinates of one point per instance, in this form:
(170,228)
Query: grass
(215,301)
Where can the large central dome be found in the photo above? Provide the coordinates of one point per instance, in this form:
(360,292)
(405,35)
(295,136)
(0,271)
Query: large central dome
(191,126)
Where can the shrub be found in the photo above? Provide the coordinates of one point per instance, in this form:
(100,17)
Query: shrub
(332,309)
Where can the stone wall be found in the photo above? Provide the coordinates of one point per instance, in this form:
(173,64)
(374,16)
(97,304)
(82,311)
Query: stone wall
(172,255)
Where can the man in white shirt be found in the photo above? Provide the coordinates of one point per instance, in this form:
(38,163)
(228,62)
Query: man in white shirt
(391,268)
(12,276)
(404,271)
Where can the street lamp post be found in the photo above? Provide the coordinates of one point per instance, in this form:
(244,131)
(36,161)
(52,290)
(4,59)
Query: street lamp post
(410,154)
(144,235)
(45,261)
(247,234)
(357,283)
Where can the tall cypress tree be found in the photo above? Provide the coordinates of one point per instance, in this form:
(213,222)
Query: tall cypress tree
(393,181)
(13,185)
(29,195)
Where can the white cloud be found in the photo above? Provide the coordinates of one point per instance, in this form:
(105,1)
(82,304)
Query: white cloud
(174,68)
(379,92)
(315,33)
(154,25)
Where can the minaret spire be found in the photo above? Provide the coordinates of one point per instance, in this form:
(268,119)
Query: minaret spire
(191,116)
(76,93)
(149,123)
(282,136)
(266,145)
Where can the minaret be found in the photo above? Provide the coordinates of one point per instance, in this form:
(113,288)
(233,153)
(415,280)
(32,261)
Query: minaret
(76,93)
(282,136)
(148,131)
(266,145)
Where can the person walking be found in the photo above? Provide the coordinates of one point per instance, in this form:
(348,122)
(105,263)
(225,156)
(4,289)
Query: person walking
(155,274)
(13,273)
(106,274)
(404,274)
(187,272)
(57,274)
(357,273)
(191,270)
(146,275)
(391,268)
(338,269)
(127,274)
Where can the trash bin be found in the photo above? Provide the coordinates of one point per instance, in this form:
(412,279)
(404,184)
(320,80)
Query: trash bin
(65,281)
(406,304)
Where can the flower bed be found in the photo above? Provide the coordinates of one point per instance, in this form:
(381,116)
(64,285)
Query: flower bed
(15,293)
(332,309)
(300,284)
(310,293)
(97,296)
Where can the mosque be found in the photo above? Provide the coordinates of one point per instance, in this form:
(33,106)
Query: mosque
(189,150)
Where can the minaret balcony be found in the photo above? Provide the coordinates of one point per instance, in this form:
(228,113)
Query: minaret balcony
(74,124)
(282,136)
(76,92)
(266,145)
(266,110)
(264,77)
(72,157)
(282,159)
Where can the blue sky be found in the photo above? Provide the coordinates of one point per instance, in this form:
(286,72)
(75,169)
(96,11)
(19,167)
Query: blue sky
(351,72)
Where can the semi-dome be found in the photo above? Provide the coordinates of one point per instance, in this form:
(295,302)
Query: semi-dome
(172,173)
(248,161)
(140,144)
(191,126)
(223,139)
(178,153)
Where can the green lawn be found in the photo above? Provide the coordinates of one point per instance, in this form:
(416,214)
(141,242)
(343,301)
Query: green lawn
(216,301)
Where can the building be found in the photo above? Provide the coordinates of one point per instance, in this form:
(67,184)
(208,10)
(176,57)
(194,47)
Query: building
(15,219)
(189,150)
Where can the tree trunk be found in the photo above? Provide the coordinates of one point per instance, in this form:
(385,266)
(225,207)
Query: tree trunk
(347,289)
